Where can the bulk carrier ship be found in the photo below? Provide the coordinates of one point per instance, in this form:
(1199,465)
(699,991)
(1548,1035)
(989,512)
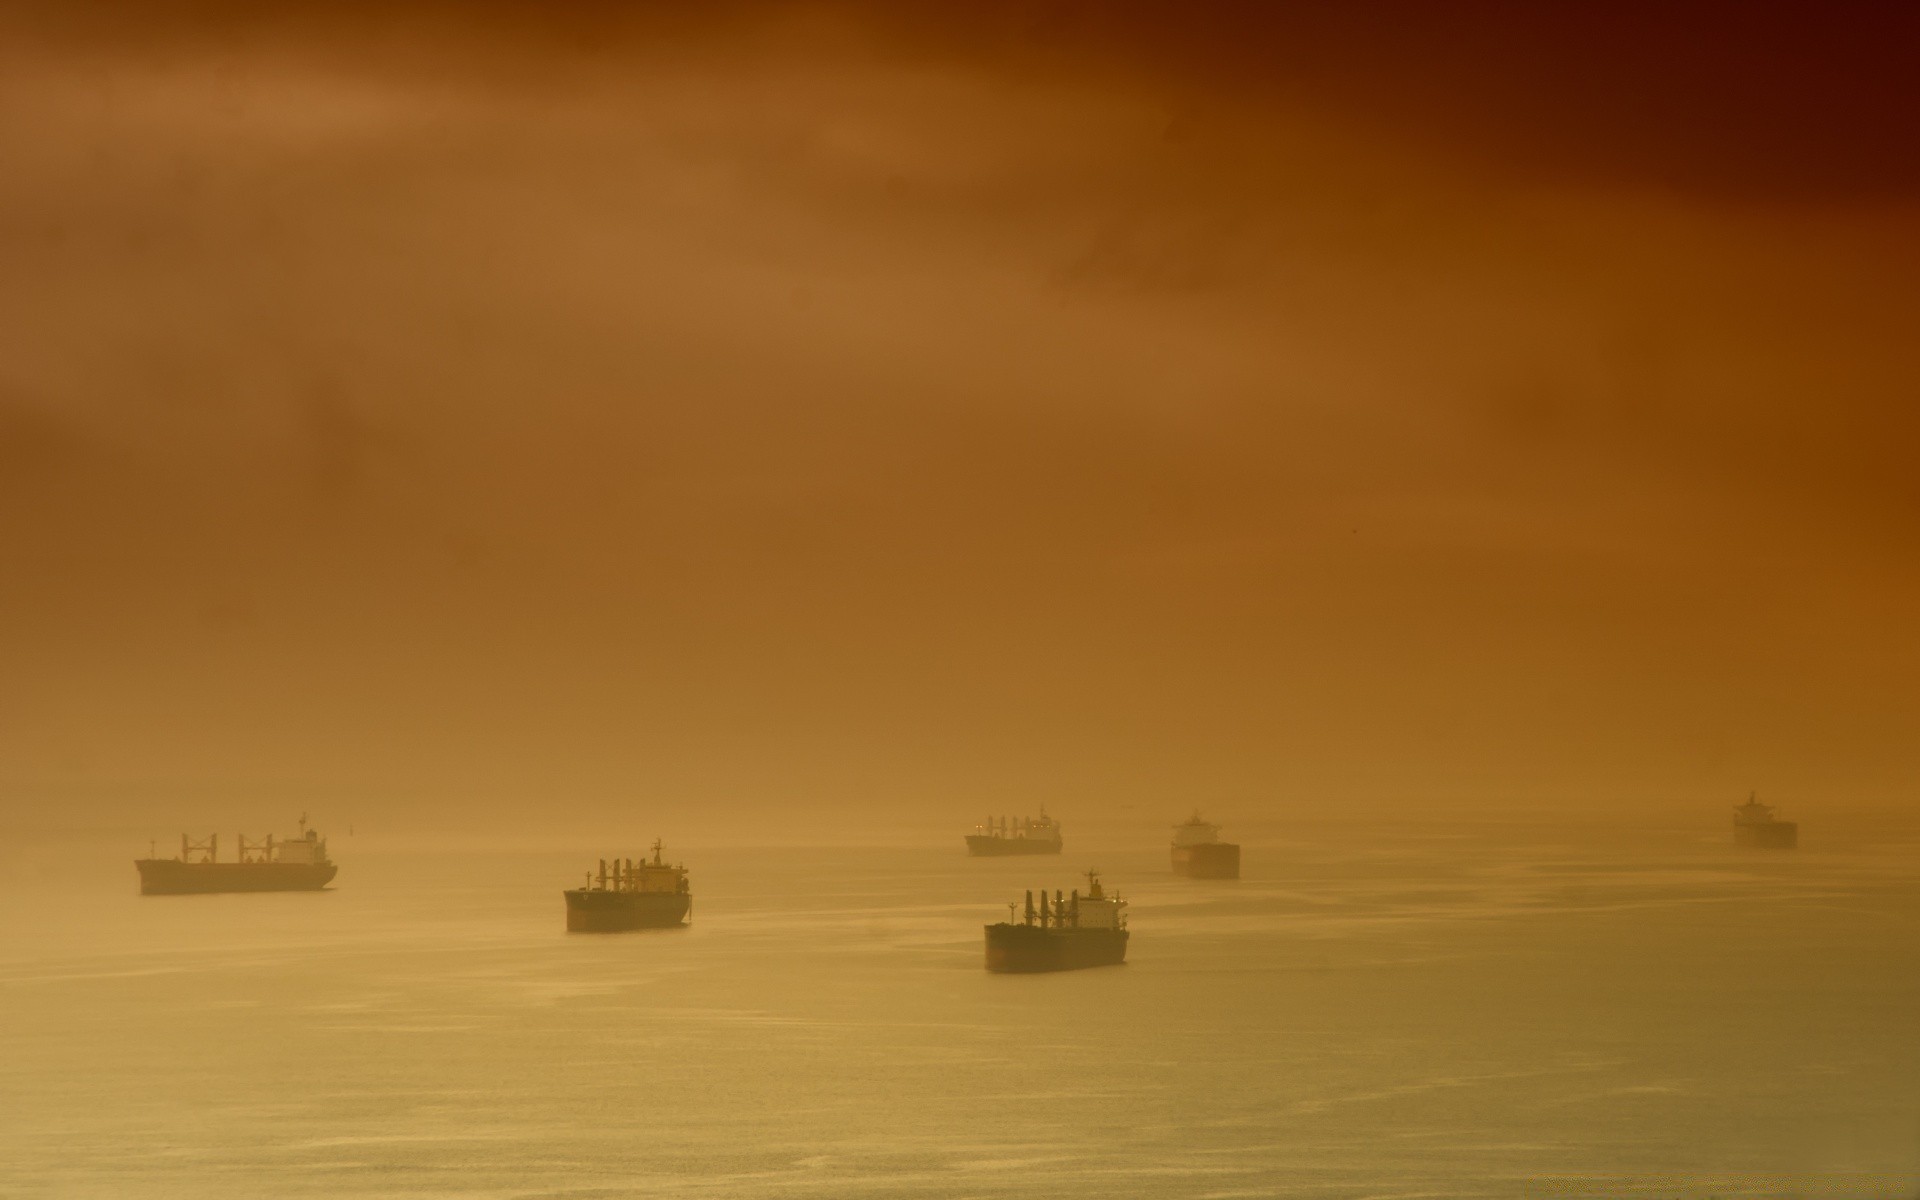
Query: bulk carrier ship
(1028,835)
(1755,825)
(297,864)
(649,894)
(1075,931)
(1198,852)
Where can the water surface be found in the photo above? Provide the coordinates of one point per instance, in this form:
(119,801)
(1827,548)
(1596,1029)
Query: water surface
(1432,1011)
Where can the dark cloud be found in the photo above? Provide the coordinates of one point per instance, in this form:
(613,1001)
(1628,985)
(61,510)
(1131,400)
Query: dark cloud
(798,408)
(1761,100)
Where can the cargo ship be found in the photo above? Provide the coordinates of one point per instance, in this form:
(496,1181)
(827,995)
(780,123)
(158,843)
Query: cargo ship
(296,864)
(1198,852)
(1027,835)
(1755,825)
(649,894)
(1073,932)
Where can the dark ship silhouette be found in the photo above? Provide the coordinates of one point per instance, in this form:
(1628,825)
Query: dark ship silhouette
(1755,825)
(649,894)
(1028,835)
(1075,931)
(297,864)
(1198,852)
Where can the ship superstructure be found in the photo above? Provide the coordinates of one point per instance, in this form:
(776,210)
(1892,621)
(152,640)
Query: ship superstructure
(1073,931)
(295,864)
(1024,835)
(624,894)
(1199,853)
(1755,825)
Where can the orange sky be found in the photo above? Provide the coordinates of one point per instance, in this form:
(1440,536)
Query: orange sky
(807,410)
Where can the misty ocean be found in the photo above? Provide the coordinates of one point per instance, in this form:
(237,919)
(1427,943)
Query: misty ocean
(1375,1010)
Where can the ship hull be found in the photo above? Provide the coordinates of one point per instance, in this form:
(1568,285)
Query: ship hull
(171,877)
(1208,860)
(1028,949)
(615,912)
(981,845)
(1772,835)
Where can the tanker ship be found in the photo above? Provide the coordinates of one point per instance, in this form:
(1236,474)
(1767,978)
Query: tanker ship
(296,864)
(1075,931)
(1028,835)
(1198,852)
(649,894)
(1755,825)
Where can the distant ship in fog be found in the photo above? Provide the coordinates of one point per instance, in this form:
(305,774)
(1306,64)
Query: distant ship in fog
(296,864)
(1028,835)
(1755,825)
(649,894)
(1073,932)
(1198,852)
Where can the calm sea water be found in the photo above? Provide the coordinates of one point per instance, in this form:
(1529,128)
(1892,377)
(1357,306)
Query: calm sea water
(1373,1011)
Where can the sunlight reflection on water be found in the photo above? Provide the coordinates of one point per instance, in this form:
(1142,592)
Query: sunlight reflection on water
(1467,1016)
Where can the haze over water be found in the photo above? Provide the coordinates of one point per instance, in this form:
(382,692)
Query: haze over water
(1464,448)
(1406,1009)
